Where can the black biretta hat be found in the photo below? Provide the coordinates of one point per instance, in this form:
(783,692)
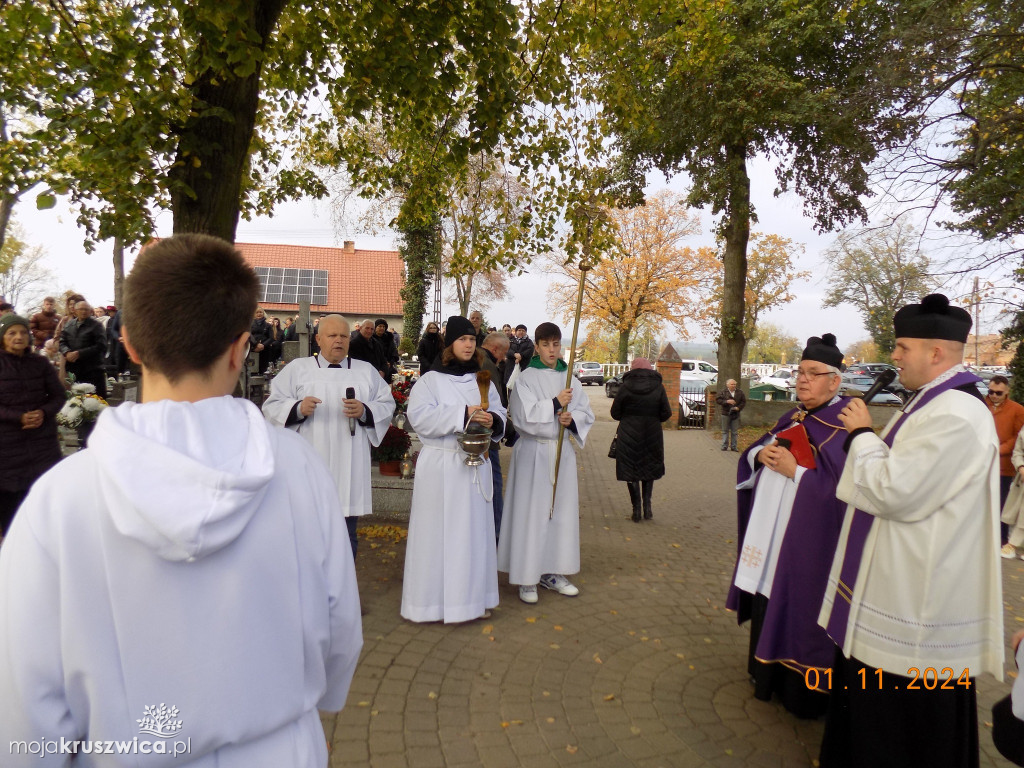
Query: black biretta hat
(823,350)
(933,318)
(457,327)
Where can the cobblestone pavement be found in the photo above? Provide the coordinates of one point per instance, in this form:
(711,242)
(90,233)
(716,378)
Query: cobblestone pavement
(644,668)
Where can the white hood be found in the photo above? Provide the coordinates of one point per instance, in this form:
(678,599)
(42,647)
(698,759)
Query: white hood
(192,474)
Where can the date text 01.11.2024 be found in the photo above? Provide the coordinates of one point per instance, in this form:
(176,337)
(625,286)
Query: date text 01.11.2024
(929,679)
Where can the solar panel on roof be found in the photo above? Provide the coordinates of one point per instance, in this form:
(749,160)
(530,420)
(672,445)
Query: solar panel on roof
(289,286)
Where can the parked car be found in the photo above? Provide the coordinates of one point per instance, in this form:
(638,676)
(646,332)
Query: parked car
(782,377)
(698,369)
(588,373)
(873,370)
(693,404)
(986,376)
(857,384)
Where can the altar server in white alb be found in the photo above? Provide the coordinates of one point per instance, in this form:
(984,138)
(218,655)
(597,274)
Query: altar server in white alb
(914,598)
(311,395)
(540,543)
(450,569)
(186,575)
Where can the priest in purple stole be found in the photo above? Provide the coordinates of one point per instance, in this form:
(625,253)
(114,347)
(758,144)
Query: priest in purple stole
(789,522)
(914,596)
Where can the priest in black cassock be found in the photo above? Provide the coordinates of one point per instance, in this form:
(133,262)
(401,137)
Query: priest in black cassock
(789,521)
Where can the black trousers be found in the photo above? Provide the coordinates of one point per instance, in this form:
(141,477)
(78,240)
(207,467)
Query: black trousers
(9,503)
(886,722)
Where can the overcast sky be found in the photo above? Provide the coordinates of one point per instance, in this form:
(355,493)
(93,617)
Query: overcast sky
(310,223)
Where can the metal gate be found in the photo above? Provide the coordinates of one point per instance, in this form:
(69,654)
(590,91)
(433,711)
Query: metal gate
(693,406)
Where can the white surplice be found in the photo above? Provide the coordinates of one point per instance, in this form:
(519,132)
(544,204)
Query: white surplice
(929,591)
(534,540)
(769,517)
(450,570)
(193,555)
(327,429)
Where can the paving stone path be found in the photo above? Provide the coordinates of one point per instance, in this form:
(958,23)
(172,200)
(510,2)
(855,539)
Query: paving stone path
(644,668)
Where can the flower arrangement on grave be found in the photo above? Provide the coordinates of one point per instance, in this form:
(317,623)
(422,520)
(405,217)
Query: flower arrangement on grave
(400,391)
(393,447)
(82,406)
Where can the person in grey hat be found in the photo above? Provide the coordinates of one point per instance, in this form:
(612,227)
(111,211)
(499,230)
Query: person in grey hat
(914,596)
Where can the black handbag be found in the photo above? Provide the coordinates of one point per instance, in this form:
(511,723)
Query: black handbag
(614,447)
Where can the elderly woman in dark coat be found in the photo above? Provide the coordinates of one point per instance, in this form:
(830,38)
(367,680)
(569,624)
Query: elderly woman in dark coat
(31,394)
(640,406)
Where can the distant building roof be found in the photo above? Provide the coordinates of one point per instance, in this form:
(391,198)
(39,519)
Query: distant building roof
(359,282)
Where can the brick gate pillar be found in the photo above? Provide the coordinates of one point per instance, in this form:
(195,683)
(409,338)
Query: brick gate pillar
(670,365)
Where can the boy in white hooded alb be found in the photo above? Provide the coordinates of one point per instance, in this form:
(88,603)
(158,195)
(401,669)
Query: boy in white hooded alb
(184,585)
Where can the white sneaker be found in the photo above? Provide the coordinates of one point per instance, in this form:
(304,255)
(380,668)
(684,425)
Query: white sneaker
(1008,551)
(528,593)
(559,583)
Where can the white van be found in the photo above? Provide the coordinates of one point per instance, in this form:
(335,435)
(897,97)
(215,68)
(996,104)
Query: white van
(699,369)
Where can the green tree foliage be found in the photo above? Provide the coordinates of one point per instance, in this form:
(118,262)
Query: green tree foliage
(988,86)
(15,182)
(23,276)
(199,105)
(769,343)
(703,85)
(1014,334)
(877,271)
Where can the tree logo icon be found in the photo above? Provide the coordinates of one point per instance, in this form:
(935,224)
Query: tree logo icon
(160,721)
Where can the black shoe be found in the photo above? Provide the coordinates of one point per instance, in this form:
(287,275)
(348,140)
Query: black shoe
(634,498)
(724,448)
(647,493)
(735,450)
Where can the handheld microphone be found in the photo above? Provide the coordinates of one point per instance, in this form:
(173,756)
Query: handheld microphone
(350,394)
(884,379)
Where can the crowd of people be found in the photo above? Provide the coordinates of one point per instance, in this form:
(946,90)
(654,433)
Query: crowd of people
(40,357)
(192,504)
(863,560)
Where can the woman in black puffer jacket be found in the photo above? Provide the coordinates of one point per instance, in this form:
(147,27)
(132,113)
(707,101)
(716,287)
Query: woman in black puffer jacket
(31,394)
(640,406)
(430,347)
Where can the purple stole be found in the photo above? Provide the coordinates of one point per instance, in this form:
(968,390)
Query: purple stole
(860,526)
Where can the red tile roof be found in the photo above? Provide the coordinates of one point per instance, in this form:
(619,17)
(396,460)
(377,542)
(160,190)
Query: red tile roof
(359,282)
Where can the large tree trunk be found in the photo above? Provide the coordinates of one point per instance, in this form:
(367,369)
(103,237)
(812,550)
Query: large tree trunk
(465,291)
(623,347)
(118,272)
(8,197)
(736,230)
(7,201)
(421,251)
(213,150)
